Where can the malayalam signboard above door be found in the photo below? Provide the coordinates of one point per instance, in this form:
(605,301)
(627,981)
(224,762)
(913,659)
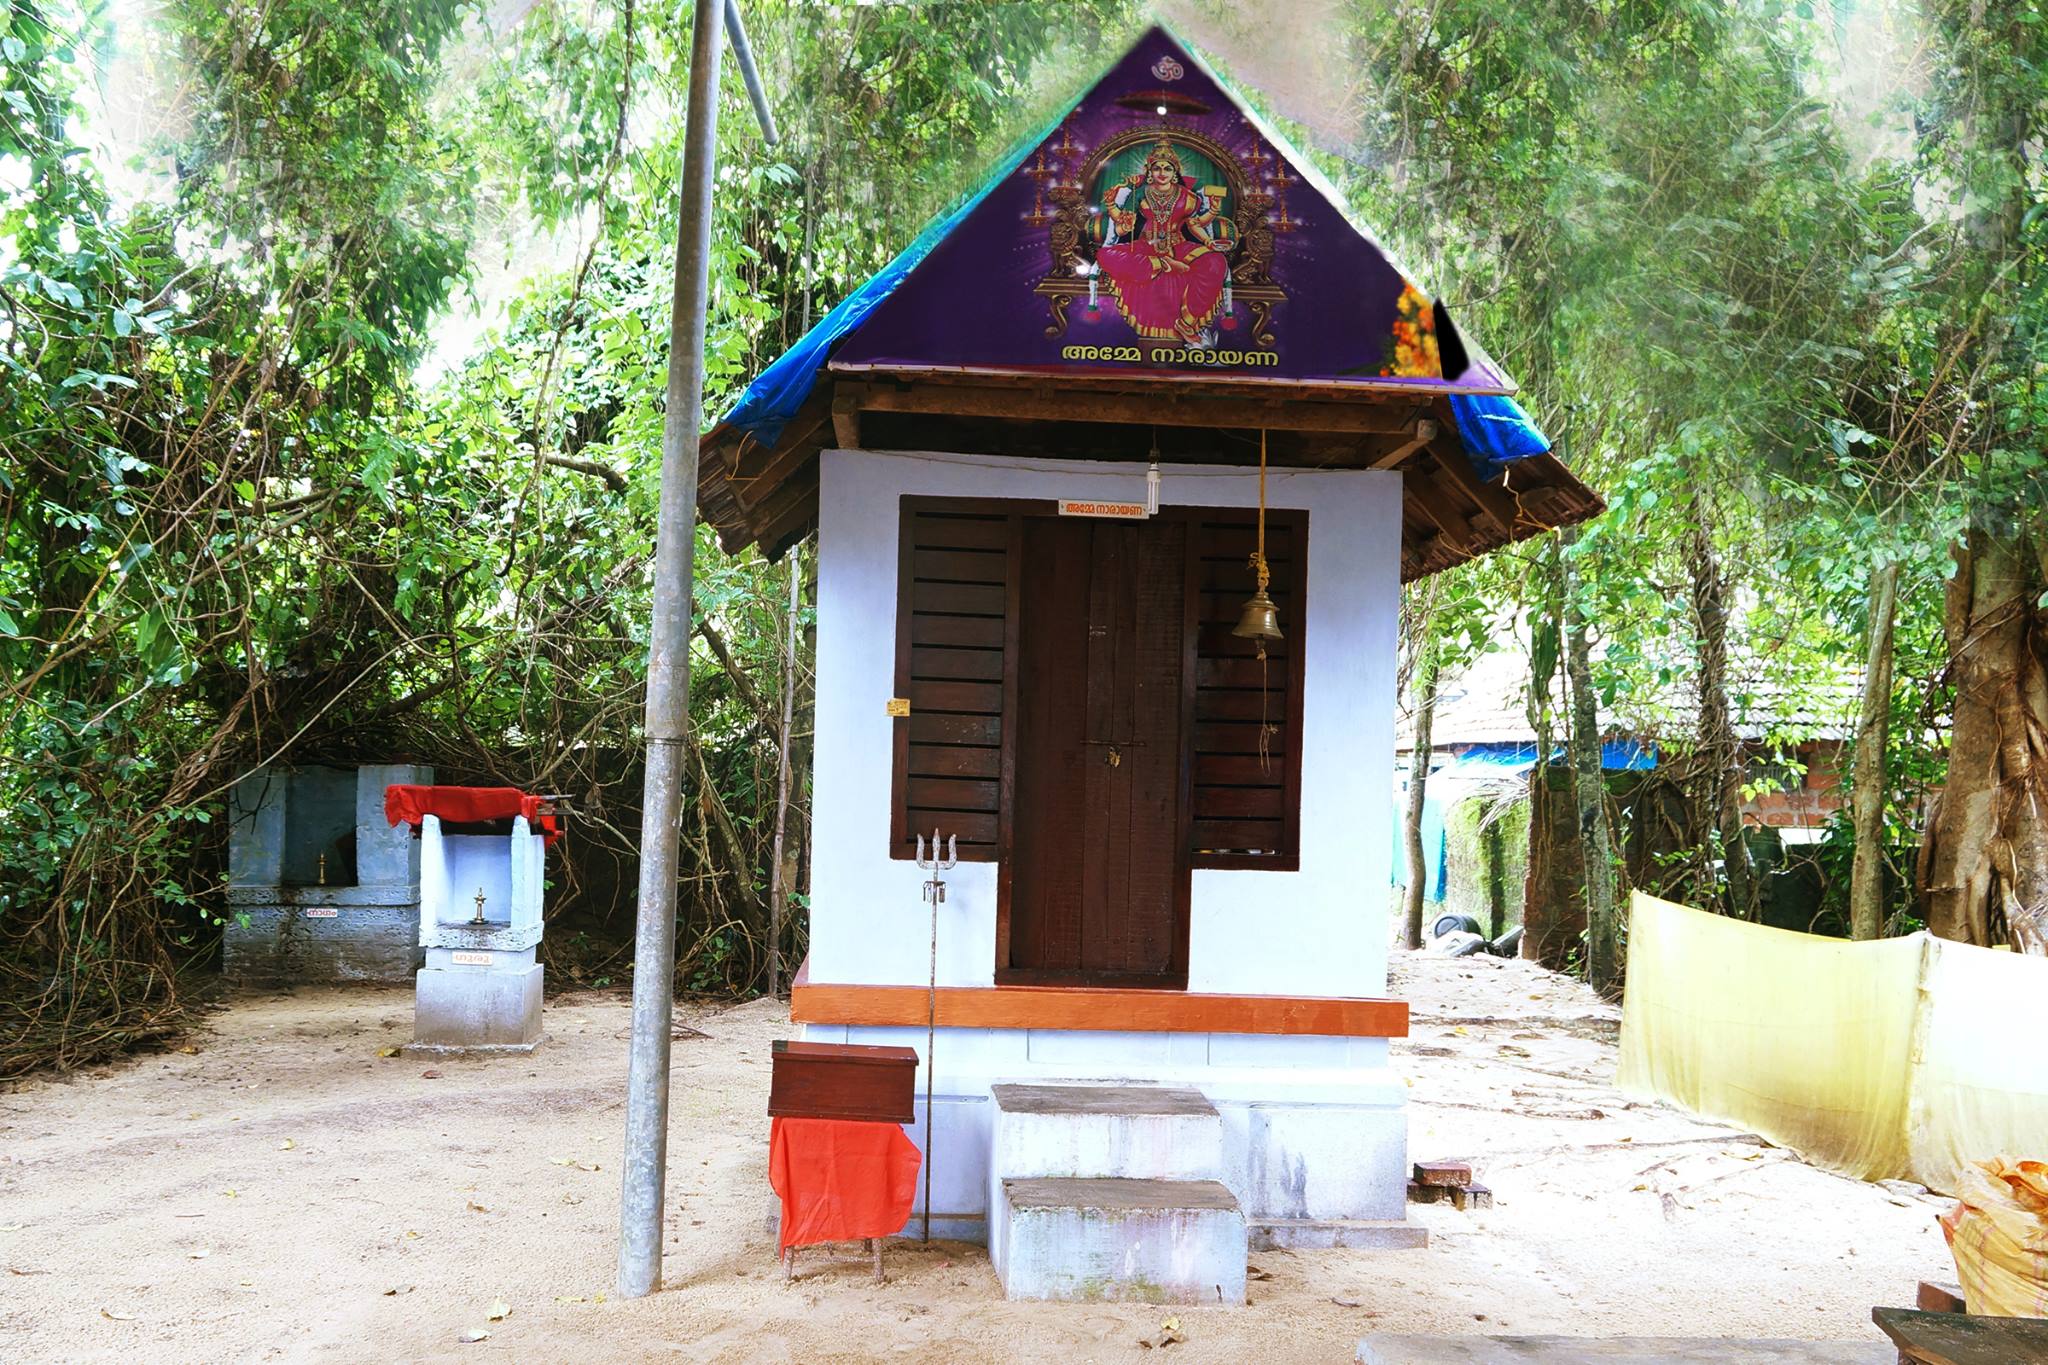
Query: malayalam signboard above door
(1158,229)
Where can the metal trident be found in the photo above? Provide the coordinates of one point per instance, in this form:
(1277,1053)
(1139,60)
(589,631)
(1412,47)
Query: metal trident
(935,895)
(935,888)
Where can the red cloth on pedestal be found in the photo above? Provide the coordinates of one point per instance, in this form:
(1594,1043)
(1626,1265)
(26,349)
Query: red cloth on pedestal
(841,1180)
(407,804)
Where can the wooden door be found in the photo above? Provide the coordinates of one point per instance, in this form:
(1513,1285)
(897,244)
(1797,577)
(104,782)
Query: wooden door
(1096,890)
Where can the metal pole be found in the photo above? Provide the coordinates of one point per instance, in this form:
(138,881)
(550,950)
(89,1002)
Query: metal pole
(641,1200)
(743,53)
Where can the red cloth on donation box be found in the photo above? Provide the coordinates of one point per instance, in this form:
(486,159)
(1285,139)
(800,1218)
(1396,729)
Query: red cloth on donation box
(409,804)
(841,1180)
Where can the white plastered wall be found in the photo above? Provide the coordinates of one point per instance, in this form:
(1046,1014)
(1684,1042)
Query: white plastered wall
(1314,1127)
(1319,931)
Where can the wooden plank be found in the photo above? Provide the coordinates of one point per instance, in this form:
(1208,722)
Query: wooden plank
(1216,804)
(985,699)
(955,760)
(1420,487)
(1496,505)
(944,729)
(956,665)
(1244,703)
(846,419)
(1089,1008)
(959,566)
(946,793)
(1156,856)
(960,632)
(1963,1338)
(1238,836)
(1237,770)
(1062,404)
(959,599)
(757,477)
(959,531)
(976,830)
(1272,675)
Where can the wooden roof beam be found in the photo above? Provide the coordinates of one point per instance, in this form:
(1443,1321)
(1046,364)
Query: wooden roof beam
(1068,403)
(754,480)
(1456,529)
(1496,505)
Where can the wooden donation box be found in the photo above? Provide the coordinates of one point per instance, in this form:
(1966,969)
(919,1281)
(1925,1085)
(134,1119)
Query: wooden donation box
(843,1081)
(837,1153)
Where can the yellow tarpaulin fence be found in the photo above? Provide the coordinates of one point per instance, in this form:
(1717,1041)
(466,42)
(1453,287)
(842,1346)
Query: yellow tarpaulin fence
(1901,1058)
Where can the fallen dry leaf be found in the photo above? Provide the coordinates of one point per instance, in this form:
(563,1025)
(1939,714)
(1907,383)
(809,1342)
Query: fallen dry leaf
(500,1310)
(286,1145)
(117,1317)
(389,1051)
(229,1194)
(430,1075)
(394,1290)
(189,1051)
(572,1298)
(1345,1303)
(17,1270)
(200,1254)
(13,1227)
(474,1335)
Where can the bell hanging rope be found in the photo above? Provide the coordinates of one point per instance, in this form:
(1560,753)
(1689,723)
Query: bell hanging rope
(1260,619)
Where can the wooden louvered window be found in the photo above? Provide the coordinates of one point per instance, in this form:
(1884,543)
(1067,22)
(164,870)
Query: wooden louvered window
(956,625)
(958,661)
(1247,805)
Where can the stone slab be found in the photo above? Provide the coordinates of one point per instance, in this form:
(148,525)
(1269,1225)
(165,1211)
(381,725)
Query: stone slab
(1133,1101)
(490,936)
(274,945)
(1124,1132)
(1141,1241)
(1321,1234)
(1380,1349)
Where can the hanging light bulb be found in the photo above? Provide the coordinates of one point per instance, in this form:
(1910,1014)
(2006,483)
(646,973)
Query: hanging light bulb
(1260,619)
(1152,478)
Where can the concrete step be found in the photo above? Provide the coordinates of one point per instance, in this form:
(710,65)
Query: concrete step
(1142,1241)
(1125,1132)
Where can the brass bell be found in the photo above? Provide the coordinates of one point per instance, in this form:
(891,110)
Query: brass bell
(1260,619)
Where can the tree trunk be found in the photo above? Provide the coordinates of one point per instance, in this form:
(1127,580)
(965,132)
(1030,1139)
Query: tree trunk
(1718,742)
(1546,634)
(1866,875)
(1590,789)
(1985,868)
(1422,691)
(780,875)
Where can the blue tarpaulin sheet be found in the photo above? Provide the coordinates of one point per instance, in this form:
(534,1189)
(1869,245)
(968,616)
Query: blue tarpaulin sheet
(1496,431)
(773,398)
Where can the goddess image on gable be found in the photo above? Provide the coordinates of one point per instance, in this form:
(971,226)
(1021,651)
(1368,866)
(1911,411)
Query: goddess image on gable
(1165,249)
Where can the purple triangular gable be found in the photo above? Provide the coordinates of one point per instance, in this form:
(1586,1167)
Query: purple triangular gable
(1094,257)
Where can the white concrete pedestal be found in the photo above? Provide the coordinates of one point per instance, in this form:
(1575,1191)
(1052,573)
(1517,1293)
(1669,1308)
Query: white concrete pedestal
(480,988)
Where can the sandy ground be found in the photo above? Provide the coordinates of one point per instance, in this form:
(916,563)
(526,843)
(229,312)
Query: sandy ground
(283,1192)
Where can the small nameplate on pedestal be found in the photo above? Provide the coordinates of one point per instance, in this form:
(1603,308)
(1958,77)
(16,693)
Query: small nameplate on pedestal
(463,958)
(321,912)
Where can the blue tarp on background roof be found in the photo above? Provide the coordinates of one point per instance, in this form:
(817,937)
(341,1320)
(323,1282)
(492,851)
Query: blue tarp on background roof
(1616,755)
